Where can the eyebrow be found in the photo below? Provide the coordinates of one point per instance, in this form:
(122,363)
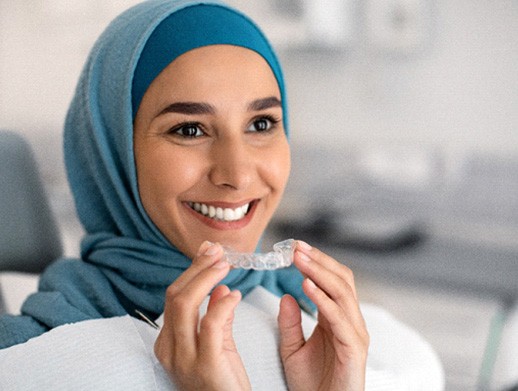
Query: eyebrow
(189,108)
(197,108)
(265,103)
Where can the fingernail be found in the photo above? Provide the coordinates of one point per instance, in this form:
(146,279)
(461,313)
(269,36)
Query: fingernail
(206,244)
(311,284)
(303,245)
(235,293)
(212,250)
(303,257)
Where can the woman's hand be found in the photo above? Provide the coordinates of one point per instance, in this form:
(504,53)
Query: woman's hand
(201,355)
(334,357)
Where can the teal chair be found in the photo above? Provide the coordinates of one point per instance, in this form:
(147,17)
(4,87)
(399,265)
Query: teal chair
(29,235)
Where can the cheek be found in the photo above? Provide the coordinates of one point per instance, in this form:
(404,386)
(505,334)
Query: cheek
(175,172)
(163,174)
(276,167)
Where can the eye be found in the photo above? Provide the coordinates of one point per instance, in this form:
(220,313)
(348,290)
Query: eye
(262,124)
(188,131)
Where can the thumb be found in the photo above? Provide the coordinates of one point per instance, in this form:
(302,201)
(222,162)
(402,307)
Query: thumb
(290,327)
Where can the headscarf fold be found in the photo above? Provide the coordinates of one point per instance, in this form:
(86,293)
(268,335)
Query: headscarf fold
(126,263)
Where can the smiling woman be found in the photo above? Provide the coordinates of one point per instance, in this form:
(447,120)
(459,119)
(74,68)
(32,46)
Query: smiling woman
(176,146)
(214,163)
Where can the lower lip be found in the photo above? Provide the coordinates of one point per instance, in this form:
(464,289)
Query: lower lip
(225,225)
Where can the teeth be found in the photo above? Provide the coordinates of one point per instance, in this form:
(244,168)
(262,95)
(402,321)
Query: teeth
(224,214)
(228,214)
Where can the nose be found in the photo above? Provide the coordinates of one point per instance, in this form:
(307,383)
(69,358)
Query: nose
(232,164)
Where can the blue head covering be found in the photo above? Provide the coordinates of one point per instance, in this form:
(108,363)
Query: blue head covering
(126,263)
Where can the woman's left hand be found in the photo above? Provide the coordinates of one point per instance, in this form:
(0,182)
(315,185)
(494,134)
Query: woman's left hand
(334,357)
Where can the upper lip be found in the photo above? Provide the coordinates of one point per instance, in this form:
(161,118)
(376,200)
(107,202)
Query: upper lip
(223,204)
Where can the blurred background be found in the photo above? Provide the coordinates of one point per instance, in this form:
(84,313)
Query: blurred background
(404,125)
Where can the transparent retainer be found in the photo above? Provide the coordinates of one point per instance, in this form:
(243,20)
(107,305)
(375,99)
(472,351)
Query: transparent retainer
(281,256)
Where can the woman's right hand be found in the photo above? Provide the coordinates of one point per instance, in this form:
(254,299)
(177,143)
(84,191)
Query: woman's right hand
(201,355)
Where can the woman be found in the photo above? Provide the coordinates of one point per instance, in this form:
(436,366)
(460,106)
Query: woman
(176,144)
(209,132)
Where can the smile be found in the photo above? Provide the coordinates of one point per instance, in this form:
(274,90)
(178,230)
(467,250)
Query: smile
(218,213)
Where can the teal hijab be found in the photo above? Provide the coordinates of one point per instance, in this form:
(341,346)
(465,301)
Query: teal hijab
(126,263)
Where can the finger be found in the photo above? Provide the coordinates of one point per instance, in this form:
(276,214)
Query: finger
(164,348)
(219,292)
(327,279)
(327,261)
(208,254)
(188,300)
(341,326)
(181,312)
(322,264)
(216,326)
(337,289)
(290,327)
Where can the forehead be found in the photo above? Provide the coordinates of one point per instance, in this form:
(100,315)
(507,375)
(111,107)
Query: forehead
(219,70)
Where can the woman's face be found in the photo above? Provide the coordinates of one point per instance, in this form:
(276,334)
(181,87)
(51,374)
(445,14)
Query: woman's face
(211,154)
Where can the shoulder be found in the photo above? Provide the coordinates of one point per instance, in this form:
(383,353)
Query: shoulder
(69,273)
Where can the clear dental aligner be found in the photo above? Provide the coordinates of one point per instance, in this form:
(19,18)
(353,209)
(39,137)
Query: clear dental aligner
(281,256)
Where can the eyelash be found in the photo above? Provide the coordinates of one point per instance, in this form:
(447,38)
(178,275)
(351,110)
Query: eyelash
(273,122)
(176,130)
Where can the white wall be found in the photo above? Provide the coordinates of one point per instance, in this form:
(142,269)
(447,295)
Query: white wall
(460,91)
(43,45)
